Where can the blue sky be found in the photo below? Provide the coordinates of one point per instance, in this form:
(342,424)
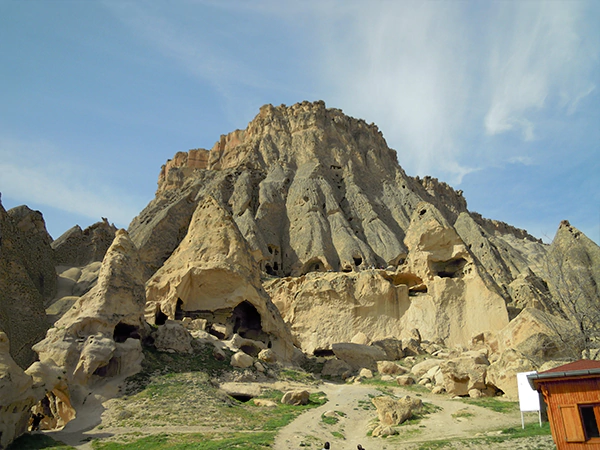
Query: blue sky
(499,99)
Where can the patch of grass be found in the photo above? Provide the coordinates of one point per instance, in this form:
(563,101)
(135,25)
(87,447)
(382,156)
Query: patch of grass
(338,435)
(462,413)
(37,441)
(297,375)
(197,441)
(493,403)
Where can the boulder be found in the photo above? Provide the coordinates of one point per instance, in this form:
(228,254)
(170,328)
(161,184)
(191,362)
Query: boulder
(405,380)
(503,373)
(267,355)
(383,431)
(241,360)
(360,338)
(365,373)
(358,356)
(420,369)
(391,347)
(297,397)
(463,374)
(336,368)
(390,368)
(172,336)
(395,411)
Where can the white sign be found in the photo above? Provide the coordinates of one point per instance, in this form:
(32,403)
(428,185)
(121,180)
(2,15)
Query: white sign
(529,400)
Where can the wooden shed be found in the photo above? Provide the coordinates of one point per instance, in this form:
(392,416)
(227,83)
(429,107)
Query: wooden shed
(572,396)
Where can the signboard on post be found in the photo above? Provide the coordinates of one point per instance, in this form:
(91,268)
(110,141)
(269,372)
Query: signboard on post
(529,399)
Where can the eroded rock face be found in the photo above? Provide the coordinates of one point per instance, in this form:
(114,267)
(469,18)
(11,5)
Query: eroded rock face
(16,396)
(99,337)
(212,276)
(77,247)
(26,276)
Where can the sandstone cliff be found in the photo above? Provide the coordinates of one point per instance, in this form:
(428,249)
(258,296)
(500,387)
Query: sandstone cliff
(313,190)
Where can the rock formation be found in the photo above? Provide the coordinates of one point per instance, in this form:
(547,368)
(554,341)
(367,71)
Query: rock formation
(212,275)
(346,241)
(26,279)
(99,337)
(77,247)
(16,396)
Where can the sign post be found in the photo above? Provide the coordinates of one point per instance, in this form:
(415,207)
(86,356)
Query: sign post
(529,399)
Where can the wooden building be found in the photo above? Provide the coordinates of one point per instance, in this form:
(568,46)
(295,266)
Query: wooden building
(572,396)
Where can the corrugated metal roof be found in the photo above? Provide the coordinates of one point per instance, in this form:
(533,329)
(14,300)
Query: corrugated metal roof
(582,364)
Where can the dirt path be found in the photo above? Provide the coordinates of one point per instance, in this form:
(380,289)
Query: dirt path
(309,430)
(453,419)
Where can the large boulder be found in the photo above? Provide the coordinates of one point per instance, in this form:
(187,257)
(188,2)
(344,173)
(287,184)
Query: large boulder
(503,373)
(396,411)
(296,397)
(464,373)
(359,356)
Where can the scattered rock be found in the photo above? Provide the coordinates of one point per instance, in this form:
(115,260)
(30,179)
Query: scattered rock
(241,360)
(296,398)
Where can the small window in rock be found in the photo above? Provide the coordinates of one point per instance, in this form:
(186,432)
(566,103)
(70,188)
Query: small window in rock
(423,211)
(269,269)
(275,266)
(357,261)
(125,331)
(323,352)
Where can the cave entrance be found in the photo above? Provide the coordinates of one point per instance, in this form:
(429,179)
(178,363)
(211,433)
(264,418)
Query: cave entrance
(449,269)
(160,317)
(124,331)
(323,352)
(247,321)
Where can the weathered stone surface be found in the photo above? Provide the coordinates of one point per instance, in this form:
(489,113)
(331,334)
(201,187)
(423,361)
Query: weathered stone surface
(464,373)
(534,333)
(77,247)
(391,347)
(267,355)
(172,336)
(16,394)
(241,360)
(365,373)
(37,252)
(419,369)
(212,275)
(99,336)
(394,412)
(405,380)
(297,397)
(22,315)
(503,373)
(359,356)
(390,368)
(336,368)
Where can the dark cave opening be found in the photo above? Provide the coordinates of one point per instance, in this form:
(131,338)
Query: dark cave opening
(323,352)
(247,321)
(242,397)
(160,317)
(179,313)
(357,260)
(124,331)
(449,269)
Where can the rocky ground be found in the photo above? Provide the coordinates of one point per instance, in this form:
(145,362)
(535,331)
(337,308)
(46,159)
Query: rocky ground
(190,405)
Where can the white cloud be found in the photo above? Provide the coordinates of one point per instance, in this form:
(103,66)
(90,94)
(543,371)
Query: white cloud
(538,58)
(34,172)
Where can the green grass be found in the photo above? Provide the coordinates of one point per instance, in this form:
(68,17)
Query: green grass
(493,403)
(462,413)
(338,435)
(531,430)
(196,441)
(37,441)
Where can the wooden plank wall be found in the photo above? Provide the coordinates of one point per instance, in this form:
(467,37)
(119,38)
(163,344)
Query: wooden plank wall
(570,392)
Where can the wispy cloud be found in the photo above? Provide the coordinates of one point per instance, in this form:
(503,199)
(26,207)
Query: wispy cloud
(439,78)
(537,58)
(36,172)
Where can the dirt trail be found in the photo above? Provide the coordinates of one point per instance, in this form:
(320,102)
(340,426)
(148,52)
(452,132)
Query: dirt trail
(353,402)
(309,429)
